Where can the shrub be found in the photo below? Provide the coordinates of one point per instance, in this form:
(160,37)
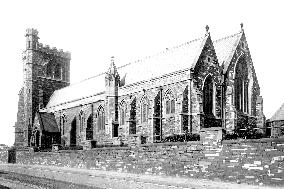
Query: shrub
(249,133)
(182,137)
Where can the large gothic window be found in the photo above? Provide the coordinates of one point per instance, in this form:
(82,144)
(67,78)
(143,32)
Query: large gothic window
(208,96)
(184,113)
(132,120)
(89,129)
(101,119)
(144,110)
(157,117)
(241,86)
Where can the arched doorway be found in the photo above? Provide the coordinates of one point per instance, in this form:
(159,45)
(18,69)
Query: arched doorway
(73,133)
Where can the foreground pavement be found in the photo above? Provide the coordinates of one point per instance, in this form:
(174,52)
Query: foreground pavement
(85,178)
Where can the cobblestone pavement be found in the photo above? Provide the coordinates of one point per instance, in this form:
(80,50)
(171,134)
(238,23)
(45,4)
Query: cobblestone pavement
(64,177)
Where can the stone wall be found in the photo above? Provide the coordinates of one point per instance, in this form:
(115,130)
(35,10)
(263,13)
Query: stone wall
(252,161)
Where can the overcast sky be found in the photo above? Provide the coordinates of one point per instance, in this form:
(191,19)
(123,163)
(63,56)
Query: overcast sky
(93,31)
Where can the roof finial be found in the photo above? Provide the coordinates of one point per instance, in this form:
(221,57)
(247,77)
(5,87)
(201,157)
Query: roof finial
(207,28)
(242,26)
(112,68)
(112,60)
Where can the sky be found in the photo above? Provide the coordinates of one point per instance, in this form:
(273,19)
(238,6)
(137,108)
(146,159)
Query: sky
(93,31)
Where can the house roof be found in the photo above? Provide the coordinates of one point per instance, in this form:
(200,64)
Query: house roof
(279,114)
(225,48)
(47,122)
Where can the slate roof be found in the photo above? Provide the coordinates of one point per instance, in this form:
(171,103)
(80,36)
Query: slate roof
(47,122)
(279,114)
(174,59)
(81,92)
(185,55)
(225,48)
(170,60)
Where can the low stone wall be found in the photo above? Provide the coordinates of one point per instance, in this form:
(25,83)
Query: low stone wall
(257,161)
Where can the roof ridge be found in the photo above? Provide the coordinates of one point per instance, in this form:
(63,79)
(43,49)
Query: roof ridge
(226,37)
(141,59)
(171,49)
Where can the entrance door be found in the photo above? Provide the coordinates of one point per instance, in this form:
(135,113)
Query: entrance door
(73,133)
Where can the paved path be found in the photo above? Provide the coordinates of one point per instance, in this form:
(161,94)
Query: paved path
(118,180)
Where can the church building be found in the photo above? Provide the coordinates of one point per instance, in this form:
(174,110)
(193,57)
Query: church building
(198,84)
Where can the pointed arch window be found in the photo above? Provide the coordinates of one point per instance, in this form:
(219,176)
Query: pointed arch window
(170,102)
(101,119)
(241,86)
(57,71)
(208,96)
(89,128)
(144,110)
(184,113)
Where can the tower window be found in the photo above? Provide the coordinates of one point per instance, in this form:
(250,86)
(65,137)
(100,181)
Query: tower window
(57,71)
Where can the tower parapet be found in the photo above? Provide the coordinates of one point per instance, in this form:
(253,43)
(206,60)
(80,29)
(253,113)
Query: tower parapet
(54,51)
(31,31)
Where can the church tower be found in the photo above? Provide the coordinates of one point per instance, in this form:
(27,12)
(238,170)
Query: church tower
(44,71)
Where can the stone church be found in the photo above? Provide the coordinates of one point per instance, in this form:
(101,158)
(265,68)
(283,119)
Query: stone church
(198,84)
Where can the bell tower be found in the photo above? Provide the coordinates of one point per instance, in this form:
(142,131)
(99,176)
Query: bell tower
(44,71)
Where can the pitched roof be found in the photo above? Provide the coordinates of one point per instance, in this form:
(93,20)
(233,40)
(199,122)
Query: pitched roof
(279,114)
(185,55)
(173,59)
(47,122)
(83,90)
(225,48)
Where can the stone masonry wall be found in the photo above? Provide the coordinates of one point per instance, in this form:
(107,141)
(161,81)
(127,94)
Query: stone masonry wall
(251,161)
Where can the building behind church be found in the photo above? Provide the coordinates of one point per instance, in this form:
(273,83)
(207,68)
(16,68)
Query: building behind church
(199,84)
